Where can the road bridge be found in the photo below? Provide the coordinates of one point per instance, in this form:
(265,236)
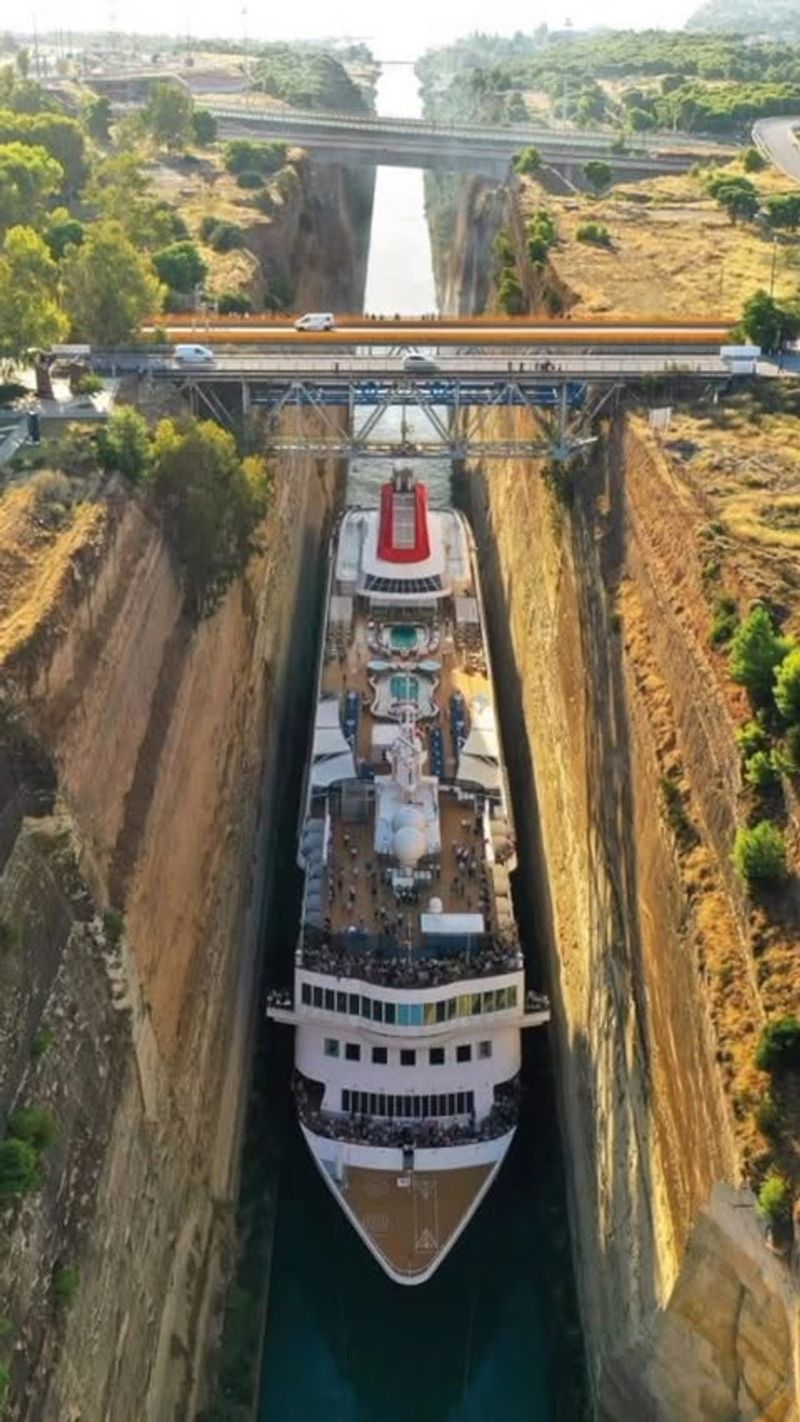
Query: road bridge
(421,143)
(352,391)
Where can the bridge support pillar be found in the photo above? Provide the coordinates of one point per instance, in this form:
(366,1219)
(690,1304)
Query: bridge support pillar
(246,399)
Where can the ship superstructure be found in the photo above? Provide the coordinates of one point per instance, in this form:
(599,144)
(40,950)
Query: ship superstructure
(409,988)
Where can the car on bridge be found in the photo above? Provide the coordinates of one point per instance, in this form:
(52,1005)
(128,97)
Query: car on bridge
(416,364)
(315,321)
(193,355)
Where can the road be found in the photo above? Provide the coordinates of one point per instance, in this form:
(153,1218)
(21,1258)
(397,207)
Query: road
(464,368)
(774,137)
(513,334)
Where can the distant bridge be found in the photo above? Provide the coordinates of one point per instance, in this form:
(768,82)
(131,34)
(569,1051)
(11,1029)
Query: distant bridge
(489,148)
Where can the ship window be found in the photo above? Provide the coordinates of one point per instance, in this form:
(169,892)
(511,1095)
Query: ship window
(390,1107)
(407,1105)
(329,1000)
(352,1052)
(373,1104)
(402,1014)
(488,1002)
(442,1105)
(441,1010)
(460,1104)
(305,994)
(436,1056)
(511,996)
(341,1002)
(417,1106)
(429,1014)
(366,1004)
(381,1105)
(331,1047)
(451,1105)
(345,1100)
(317,996)
(426,1105)
(389,1013)
(380,1056)
(415,1015)
(452,1007)
(476,1004)
(501,1000)
(484,1049)
(464,1052)
(407,1057)
(355,1004)
(471,1102)
(377,1010)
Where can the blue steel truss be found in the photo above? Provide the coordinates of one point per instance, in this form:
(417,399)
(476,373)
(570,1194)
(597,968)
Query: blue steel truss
(450,394)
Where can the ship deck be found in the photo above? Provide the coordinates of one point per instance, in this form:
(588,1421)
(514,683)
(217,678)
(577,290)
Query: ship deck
(411,1219)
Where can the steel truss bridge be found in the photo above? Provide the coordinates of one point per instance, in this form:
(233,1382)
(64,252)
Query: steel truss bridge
(469,411)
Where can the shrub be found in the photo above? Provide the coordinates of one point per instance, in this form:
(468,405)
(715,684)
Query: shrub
(598,174)
(726,621)
(114,925)
(761,770)
(775,1200)
(180,266)
(595,233)
(42,1041)
(768,1117)
(787,686)
(242,155)
(528,160)
(208,224)
(752,162)
(779,1045)
(791,746)
(226,237)
(234,303)
(752,737)
(65,1284)
(510,295)
(675,805)
(34,1124)
(124,444)
(250,179)
(759,854)
(756,650)
(204,126)
(87,384)
(10,936)
(10,391)
(5,1379)
(19,1168)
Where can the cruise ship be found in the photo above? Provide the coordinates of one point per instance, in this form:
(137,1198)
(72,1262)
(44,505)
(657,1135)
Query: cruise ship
(409,986)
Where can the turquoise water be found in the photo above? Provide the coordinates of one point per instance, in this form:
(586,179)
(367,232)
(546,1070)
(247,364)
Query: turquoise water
(403,638)
(483,1339)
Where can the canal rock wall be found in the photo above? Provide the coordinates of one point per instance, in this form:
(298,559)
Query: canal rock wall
(140,769)
(606,687)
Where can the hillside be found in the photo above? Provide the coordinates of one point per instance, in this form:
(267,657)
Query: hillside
(779,19)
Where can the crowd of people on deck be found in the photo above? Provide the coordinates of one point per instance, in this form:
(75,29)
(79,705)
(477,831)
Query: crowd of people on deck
(499,956)
(422,1135)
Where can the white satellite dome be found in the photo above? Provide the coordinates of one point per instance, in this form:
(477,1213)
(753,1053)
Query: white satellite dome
(435,906)
(408,815)
(409,845)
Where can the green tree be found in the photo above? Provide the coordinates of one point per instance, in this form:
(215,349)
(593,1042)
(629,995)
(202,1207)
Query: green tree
(756,650)
(124,444)
(19,1168)
(30,316)
(61,137)
(168,115)
(65,1284)
(212,503)
(243,155)
(784,211)
(62,230)
(775,1200)
(97,117)
(739,201)
(595,233)
(779,1045)
(759,854)
(598,174)
(752,162)
(787,686)
(28,176)
(109,287)
(180,266)
(510,295)
(34,1124)
(767,323)
(204,127)
(528,160)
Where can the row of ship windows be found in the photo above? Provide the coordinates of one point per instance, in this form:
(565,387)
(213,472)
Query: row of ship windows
(409,1014)
(372,1103)
(437,1056)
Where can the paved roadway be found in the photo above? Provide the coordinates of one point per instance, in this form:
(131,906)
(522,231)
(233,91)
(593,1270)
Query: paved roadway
(433,334)
(775,138)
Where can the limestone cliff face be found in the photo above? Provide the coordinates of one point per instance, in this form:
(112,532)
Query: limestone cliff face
(608,690)
(142,774)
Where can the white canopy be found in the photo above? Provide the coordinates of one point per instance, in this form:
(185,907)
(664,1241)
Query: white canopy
(332,758)
(451,922)
(479,761)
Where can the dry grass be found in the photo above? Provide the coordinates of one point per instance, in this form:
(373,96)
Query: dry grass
(674,250)
(36,561)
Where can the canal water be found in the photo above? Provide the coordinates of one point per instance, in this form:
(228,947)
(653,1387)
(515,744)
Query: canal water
(494,1334)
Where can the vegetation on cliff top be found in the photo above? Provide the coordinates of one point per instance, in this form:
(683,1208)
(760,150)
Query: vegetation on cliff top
(778,18)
